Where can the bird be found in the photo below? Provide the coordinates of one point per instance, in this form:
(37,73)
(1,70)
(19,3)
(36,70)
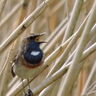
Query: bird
(29,58)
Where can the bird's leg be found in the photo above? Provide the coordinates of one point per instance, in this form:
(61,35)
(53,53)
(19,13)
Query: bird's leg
(25,94)
(29,89)
(28,83)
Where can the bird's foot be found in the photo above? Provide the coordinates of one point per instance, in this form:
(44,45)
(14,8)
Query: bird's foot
(29,93)
(25,94)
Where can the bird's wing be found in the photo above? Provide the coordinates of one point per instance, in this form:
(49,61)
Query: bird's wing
(12,70)
(23,47)
(18,55)
(15,61)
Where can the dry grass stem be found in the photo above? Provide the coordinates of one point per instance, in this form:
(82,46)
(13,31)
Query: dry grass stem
(56,75)
(70,51)
(17,7)
(92,73)
(74,70)
(2,5)
(73,19)
(24,25)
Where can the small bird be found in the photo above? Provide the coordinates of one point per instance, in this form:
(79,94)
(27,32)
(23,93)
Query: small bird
(29,58)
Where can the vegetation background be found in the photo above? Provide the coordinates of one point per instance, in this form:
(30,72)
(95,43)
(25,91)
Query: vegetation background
(70,59)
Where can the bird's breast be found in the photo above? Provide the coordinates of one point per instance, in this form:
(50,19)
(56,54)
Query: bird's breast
(26,72)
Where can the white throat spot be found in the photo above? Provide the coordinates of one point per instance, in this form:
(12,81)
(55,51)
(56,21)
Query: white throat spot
(35,53)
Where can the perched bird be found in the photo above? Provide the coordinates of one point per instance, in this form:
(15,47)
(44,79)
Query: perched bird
(29,58)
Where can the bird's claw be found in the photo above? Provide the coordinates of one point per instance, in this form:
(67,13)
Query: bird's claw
(25,94)
(29,93)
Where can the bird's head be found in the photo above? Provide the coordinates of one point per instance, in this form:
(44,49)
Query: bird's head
(36,38)
(32,52)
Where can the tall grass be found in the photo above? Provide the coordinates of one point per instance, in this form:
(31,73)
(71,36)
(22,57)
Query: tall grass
(69,67)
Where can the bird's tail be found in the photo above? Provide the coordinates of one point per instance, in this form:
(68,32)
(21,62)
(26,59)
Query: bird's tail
(12,71)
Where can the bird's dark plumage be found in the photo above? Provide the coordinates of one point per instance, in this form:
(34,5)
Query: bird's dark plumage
(33,47)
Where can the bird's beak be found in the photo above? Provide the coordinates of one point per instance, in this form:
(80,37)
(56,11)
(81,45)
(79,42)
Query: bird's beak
(35,36)
(39,38)
(42,42)
(42,34)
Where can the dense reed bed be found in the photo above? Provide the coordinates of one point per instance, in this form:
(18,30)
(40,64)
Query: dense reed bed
(69,67)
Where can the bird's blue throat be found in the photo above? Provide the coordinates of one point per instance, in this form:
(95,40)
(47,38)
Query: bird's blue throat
(33,54)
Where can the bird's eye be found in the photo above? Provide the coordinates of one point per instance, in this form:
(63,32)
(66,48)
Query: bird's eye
(37,39)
